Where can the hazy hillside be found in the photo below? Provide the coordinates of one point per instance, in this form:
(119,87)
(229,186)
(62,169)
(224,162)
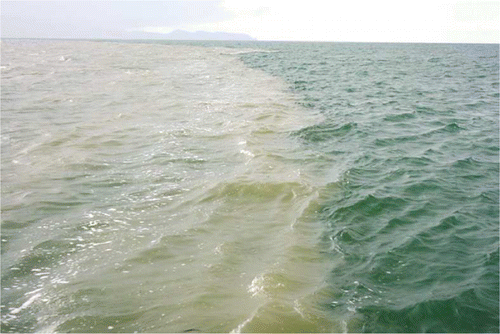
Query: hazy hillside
(204,35)
(180,35)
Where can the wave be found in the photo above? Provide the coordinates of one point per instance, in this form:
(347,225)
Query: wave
(324,132)
(469,311)
(198,195)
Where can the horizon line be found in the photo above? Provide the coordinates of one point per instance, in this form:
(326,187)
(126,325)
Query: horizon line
(235,40)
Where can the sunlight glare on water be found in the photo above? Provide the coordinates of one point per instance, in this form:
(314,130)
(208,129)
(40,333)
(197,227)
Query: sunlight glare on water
(249,187)
(153,188)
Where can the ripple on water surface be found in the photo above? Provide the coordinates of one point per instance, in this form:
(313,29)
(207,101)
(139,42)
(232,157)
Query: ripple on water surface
(187,192)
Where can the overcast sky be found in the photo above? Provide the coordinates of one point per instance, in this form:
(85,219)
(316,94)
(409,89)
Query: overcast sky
(311,20)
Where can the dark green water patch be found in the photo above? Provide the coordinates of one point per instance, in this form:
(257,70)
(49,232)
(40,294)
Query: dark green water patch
(323,132)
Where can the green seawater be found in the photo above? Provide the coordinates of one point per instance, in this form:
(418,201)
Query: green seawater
(249,187)
(414,129)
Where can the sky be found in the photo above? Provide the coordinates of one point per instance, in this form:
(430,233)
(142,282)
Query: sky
(421,21)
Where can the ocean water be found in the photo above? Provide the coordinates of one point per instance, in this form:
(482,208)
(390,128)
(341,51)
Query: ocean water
(249,187)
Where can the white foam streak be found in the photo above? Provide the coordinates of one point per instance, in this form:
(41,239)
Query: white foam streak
(26,304)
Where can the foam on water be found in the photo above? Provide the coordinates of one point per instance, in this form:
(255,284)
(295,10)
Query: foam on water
(170,188)
(153,188)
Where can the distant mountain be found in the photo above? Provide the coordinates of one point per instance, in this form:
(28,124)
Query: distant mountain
(177,35)
(206,36)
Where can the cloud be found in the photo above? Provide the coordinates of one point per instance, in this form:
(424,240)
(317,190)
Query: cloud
(312,20)
(87,19)
(316,20)
(478,21)
(358,21)
(479,11)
